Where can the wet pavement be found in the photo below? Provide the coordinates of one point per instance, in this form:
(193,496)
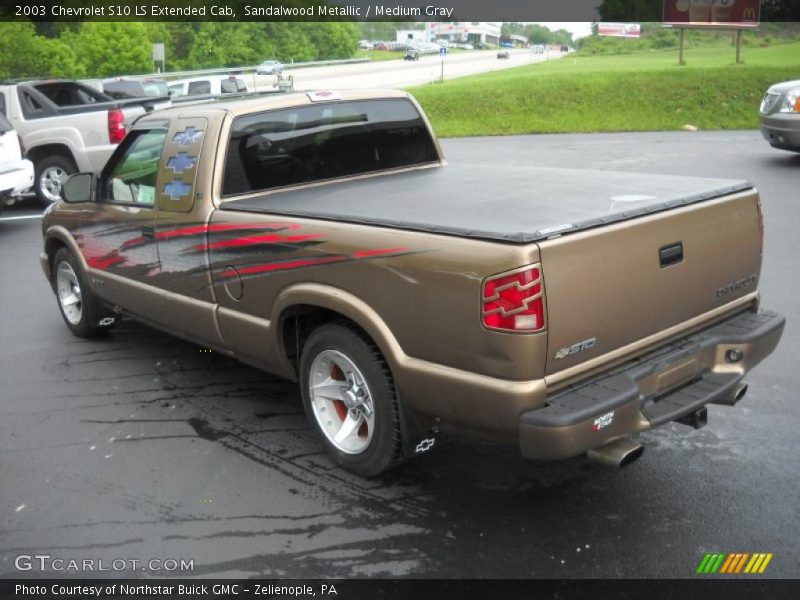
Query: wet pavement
(141,446)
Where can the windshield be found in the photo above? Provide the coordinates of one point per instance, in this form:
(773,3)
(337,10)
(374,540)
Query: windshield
(4,124)
(156,89)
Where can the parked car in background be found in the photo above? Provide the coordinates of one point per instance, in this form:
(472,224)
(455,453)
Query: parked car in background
(503,54)
(136,88)
(411,54)
(208,85)
(66,126)
(780,116)
(365,45)
(270,67)
(16,173)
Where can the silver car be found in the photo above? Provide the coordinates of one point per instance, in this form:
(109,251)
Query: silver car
(780,116)
(269,67)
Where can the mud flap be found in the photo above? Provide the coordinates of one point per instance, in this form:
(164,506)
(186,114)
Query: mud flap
(416,439)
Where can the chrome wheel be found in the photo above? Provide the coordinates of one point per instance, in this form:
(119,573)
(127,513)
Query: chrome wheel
(51,180)
(69,292)
(341,402)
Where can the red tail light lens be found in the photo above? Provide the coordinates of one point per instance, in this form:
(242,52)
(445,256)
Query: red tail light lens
(116,126)
(513,301)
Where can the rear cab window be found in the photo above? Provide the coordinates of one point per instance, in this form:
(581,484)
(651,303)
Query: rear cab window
(323,142)
(199,87)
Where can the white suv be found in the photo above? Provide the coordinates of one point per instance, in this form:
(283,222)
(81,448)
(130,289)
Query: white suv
(16,173)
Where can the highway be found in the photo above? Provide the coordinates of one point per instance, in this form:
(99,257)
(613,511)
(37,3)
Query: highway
(400,73)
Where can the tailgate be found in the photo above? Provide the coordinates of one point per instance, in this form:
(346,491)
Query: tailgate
(615,285)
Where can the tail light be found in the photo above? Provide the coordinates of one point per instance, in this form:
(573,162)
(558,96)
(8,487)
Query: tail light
(116,126)
(513,301)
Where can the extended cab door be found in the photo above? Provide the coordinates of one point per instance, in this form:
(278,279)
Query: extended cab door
(184,209)
(118,238)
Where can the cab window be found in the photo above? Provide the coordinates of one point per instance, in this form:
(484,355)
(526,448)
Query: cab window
(322,142)
(132,177)
(199,87)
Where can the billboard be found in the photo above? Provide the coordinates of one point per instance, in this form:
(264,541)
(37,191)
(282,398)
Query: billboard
(712,13)
(624,30)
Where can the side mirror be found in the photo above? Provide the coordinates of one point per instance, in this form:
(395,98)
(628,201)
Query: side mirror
(78,188)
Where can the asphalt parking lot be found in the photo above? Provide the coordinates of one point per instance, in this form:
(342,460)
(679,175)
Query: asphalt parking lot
(141,446)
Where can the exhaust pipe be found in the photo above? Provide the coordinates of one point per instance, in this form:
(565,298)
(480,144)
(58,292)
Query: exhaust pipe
(737,394)
(618,453)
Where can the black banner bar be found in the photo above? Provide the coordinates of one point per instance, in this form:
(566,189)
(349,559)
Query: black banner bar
(358,10)
(705,587)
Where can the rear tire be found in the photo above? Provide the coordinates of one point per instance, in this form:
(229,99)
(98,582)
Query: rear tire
(51,173)
(350,401)
(82,313)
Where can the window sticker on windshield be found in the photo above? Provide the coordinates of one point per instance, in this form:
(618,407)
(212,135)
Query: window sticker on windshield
(187,137)
(147,195)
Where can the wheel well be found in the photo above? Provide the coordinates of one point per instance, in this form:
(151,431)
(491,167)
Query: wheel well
(41,152)
(299,321)
(51,246)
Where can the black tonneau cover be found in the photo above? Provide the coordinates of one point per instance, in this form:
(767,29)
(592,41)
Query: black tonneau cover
(508,204)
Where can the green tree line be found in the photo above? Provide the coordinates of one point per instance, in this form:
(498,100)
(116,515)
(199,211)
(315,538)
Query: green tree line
(105,49)
(538,34)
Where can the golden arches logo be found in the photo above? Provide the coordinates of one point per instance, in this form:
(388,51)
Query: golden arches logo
(749,14)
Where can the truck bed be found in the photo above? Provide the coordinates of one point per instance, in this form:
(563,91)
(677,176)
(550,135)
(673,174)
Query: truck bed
(506,204)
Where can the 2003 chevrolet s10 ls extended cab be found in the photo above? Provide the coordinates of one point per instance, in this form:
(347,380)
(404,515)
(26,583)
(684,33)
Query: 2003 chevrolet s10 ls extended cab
(323,238)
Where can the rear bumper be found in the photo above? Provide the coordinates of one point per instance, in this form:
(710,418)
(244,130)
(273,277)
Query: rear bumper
(15,177)
(662,386)
(782,131)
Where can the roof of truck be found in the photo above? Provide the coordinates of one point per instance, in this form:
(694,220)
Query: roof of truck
(244,105)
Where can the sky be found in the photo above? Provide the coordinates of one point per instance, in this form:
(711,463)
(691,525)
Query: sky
(577,29)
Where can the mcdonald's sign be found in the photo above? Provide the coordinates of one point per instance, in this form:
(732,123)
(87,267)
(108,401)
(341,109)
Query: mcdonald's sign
(726,14)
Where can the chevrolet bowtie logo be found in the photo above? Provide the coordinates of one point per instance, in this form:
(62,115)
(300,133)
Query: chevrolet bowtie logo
(181,162)
(187,137)
(177,189)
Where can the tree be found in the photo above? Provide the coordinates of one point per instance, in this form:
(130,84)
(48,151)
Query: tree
(111,48)
(25,54)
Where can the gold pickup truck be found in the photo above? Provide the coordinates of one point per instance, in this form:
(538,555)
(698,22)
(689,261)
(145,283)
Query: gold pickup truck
(323,237)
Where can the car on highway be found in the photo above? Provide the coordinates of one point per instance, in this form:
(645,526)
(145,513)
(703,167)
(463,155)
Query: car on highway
(411,54)
(780,116)
(16,172)
(270,67)
(503,55)
(321,236)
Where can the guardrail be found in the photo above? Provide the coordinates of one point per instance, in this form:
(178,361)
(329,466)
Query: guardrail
(167,75)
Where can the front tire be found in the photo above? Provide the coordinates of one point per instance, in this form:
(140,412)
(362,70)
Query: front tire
(51,173)
(82,313)
(349,398)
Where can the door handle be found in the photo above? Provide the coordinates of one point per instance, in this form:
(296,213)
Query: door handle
(671,254)
(148,232)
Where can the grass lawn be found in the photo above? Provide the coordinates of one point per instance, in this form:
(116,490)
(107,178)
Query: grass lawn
(633,92)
